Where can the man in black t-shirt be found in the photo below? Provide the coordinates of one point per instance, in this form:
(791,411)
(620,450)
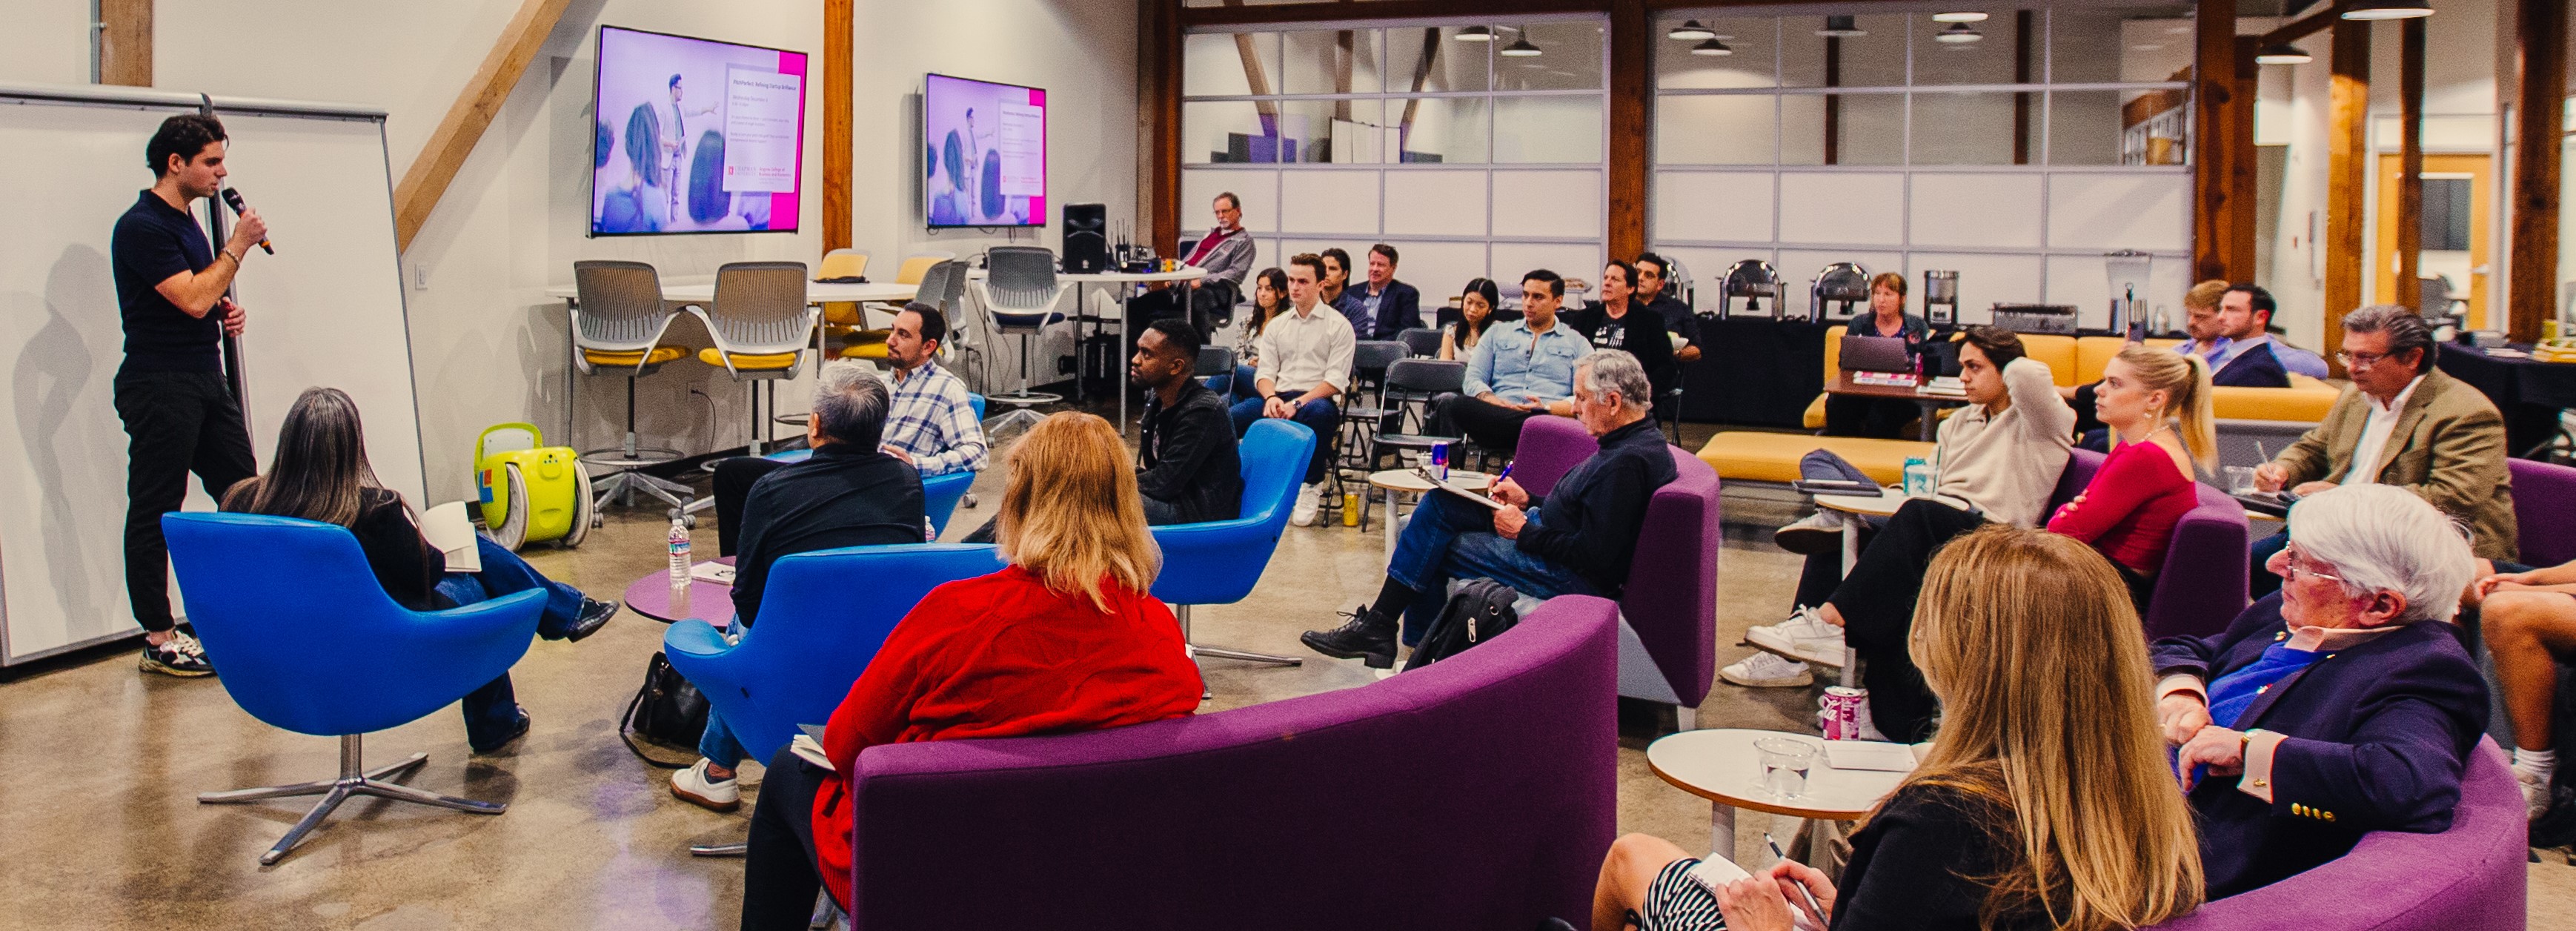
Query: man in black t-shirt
(179,412)
(1653,274)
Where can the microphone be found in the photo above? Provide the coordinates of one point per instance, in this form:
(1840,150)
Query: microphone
(233,199)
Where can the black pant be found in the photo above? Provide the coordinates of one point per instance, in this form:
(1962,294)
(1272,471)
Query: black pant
(734,478)
(1877,604)
(779,876)
(1878,418)
(1491,425)
(175,423)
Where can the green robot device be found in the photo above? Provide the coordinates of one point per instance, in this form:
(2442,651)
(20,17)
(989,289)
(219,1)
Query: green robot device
(531,492)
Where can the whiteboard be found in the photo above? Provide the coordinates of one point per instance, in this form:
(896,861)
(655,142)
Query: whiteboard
(327,309)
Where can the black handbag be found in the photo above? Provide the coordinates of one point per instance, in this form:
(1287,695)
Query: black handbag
(1478,611)
(666,712)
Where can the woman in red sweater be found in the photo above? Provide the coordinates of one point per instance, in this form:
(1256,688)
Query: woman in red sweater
(1064,639)
(2157,404)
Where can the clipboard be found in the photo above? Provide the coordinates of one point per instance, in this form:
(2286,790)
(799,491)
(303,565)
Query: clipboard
(1459,490)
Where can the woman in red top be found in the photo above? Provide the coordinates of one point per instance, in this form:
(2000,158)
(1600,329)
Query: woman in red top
(2157,404)
(1064,639)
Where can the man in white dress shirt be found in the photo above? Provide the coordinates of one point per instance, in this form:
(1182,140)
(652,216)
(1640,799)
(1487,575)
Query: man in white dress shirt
(1305,362)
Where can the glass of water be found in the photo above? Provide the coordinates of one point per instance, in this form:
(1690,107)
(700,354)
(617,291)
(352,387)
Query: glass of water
(1785,762)
(2240,480)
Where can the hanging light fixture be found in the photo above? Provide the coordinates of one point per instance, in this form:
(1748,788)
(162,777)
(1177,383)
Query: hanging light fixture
(2282,53)
(1521,47)
(1958,34)
(1841,27)
(2387,9)
(1474,34)
(1691,31)
(1712,47)
(1963,16)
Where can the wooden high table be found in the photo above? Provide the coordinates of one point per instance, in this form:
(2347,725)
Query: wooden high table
(1930,403)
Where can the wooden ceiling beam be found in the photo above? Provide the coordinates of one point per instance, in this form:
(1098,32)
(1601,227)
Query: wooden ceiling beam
(426,180)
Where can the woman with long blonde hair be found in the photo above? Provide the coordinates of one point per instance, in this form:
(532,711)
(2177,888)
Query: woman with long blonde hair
(1065,638)
(2044,803)
(2157,404)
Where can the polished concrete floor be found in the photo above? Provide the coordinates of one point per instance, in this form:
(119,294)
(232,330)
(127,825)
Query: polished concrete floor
(101,828)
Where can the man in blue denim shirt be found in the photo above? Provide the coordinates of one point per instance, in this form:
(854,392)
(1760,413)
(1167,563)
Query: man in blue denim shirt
(1520,370)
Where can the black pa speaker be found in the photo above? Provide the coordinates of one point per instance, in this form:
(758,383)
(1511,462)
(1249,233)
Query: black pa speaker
(1086,238)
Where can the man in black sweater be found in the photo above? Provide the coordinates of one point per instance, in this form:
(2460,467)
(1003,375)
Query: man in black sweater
(1620,321)
(849,494)
(1576,541)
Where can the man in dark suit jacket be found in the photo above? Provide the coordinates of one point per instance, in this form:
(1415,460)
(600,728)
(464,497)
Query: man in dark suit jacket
(1381,306)
(2346,703)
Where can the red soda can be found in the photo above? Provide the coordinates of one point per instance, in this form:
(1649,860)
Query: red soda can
(1842,712)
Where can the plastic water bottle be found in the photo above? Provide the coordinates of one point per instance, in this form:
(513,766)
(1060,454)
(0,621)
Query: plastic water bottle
(1918,477)
(679,539)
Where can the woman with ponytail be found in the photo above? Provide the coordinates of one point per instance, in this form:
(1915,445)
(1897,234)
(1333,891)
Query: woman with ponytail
(2157,405)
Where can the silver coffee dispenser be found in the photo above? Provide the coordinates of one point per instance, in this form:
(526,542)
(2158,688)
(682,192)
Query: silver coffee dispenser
(1941,297)
(2129,270)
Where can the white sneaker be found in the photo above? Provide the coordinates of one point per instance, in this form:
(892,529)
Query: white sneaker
(1768,671)
(1816,534)
(1309,499)
(1803,636)
(691,785)
(2535,793)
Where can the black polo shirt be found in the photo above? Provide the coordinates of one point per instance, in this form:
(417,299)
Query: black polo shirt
(154,241)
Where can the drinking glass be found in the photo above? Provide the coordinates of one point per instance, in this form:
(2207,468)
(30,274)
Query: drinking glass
(1785,762)
(2240,480)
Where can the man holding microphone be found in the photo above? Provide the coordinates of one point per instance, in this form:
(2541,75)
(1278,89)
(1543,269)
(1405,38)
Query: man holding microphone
(179,412)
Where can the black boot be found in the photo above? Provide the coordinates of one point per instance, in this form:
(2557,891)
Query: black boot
(1367,636)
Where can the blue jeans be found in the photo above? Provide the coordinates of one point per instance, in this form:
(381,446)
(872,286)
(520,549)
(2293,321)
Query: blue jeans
(717,744)
(1449,538)
(492,712)
(1320,415)
(1236,386)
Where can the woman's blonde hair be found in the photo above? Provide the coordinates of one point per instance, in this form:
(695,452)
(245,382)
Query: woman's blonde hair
(1071,512)
(2184,378)
(2040,663)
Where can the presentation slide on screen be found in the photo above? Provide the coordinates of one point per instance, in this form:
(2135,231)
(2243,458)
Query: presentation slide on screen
(984,148)
(695,136)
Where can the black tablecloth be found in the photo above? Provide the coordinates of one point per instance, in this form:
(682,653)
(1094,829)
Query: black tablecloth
(2529,393)
(1755,372)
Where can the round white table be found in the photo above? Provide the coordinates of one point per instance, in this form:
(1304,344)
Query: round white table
(1721,766)
(1392,481)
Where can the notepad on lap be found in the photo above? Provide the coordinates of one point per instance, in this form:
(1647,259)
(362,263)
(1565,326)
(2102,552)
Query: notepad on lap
(447,528)
(1869,754)
(1459,490)
(808,745)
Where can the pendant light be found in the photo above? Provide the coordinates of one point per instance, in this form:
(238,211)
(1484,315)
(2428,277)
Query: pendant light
(1841,27)
(1474,34)
(2387,9)
(1712,47)
(2282,53)
(1691,31)
(1958,34)
(1521,47)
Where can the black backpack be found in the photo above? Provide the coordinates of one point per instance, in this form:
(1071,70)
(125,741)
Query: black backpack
(1478,611)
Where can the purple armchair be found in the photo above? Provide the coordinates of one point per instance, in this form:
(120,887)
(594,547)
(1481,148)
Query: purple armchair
(2544,511)
(1477,793)
(2469,878)
(2202,586)
(1668,649)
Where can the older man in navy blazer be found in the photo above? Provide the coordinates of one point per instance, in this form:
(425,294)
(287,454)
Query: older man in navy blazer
(1381,306)
(2345,703)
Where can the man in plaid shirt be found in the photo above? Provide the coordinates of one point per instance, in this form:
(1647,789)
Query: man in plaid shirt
(931,424)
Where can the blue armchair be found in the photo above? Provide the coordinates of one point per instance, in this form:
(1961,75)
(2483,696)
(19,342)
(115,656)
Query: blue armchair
(297,625)
(939,493)
(1218,562)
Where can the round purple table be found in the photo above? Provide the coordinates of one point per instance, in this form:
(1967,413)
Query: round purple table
(652,596)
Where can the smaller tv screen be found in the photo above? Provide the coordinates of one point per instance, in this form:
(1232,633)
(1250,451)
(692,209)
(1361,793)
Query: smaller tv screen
(983,153)
(695,136)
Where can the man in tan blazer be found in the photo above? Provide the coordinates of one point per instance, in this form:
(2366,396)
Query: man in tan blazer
(2401,423)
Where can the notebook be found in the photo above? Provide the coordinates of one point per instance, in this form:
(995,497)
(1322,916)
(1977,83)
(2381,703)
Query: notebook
(447,528)
(808,745)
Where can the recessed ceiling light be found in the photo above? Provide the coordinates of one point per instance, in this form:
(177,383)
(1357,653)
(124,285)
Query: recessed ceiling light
(1474,34)
(1841,27)
(1964,16)
(2282,54)
(2387,9)
(1958,34)
(1711,47)
(1691,31)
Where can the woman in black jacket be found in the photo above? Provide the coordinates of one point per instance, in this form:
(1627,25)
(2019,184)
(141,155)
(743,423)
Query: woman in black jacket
(320,472)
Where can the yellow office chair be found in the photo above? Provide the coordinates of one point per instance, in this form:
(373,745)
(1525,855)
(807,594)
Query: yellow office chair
(618,320)
(761,326)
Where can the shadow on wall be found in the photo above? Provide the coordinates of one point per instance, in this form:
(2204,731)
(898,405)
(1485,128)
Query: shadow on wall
(52,370)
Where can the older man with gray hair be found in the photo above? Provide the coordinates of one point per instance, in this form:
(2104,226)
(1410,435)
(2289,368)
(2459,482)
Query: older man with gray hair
(2287,758)
(849,493)
(1577,540)
(2403,423)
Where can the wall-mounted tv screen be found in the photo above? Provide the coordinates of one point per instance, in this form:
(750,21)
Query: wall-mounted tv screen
(984,153)
(695,136)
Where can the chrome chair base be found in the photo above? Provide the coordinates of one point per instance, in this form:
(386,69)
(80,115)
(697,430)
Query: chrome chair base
(719,850)
(352,781)
(999,425)
(1023,398)
(1183,612)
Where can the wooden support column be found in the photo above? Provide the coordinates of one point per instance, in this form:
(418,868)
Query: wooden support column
(1161,89)
(2240,140)
(2215,162)
(839,31)
(2541,70)
(426,180)
(2410,162)
(2347,173)
(1632,49)
(125,42)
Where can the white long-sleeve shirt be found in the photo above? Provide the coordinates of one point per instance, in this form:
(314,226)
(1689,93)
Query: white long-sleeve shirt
(2008,464)
(1305,347)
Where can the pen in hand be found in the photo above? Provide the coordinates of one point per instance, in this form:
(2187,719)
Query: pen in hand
(1812,904)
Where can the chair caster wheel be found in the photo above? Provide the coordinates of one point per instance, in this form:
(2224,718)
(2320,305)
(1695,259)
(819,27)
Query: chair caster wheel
(598,520)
